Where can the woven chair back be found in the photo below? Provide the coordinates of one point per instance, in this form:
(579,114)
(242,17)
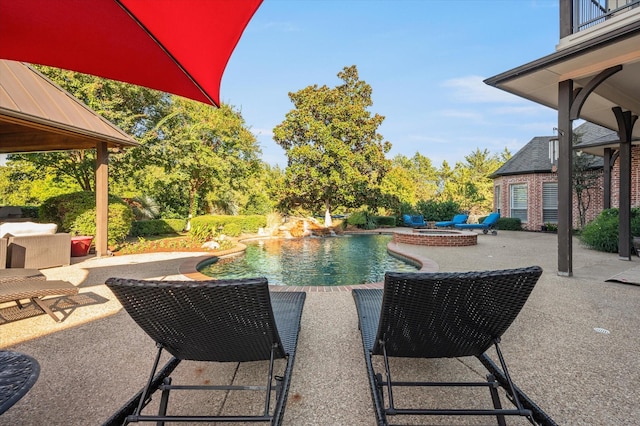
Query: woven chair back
(221,320)
(436,315)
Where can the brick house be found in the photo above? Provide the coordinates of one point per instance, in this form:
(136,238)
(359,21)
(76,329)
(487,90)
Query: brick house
(526,186)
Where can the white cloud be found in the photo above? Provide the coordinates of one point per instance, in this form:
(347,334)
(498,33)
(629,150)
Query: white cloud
(472,89)
(470,116)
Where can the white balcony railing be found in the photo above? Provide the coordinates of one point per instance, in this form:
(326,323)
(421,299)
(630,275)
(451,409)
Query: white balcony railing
(587,13)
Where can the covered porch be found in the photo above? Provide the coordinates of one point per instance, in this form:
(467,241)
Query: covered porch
(593,75)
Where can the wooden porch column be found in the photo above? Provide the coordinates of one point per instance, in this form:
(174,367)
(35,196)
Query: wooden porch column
(102,198)
(565,187)
(625,122)
(607,164)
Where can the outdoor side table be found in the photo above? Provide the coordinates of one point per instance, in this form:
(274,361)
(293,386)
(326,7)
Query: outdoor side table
(18,372)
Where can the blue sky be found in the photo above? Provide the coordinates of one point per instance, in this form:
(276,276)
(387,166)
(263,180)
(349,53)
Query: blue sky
(425,61)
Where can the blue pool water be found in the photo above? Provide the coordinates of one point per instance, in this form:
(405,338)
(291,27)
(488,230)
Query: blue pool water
(352,259)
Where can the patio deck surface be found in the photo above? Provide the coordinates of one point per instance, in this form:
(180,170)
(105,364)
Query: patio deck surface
(97,358)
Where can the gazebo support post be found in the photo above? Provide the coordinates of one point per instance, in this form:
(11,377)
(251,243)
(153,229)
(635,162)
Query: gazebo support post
(565,169)
(102,198)
(607,165)
(625,122)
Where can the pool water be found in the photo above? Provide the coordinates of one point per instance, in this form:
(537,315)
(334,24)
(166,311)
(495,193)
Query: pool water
(331,261)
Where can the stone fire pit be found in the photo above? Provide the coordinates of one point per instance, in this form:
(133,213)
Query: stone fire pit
(436,237)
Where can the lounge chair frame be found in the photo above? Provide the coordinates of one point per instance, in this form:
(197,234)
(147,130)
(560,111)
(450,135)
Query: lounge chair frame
(457,219)
(490,224)
(21,284)
(271,333)
(414,317)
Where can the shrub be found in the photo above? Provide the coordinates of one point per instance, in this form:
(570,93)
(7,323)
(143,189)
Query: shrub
(508,223)
(357,218)
(251,223)
(204,228)
(30,211)
(76,213)
(385,221)
(232,229)
(144,228)
(362,219)
(602,233)
(437,211)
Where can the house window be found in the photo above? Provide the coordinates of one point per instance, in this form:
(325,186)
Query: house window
(518,194)
(550,202)
(496,198)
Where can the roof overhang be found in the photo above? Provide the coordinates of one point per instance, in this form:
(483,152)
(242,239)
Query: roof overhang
(580,62)
(36,115)
(597,146)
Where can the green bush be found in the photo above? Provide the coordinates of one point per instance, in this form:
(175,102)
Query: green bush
(232,229)
(76,213)
(251,223)
(204,228)
(602,233)
(385,221)
(508,223)
(362,219)
(438,211)
(30,211)
(144,228)
(358,218)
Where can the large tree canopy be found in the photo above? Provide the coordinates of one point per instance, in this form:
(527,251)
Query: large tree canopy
(335,155)
(205,150)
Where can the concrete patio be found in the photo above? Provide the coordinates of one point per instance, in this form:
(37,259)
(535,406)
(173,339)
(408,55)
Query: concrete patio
(97,358)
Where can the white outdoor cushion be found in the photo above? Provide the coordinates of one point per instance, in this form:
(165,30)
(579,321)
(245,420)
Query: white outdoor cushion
(27,228)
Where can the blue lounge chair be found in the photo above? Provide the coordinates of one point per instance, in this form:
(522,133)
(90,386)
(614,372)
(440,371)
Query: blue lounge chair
(489,224)
(457,219)
(415,221)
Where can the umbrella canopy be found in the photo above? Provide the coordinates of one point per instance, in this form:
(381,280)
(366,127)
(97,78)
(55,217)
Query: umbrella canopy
(181,47)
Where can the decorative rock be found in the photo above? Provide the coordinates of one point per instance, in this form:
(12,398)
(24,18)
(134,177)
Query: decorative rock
(211,245)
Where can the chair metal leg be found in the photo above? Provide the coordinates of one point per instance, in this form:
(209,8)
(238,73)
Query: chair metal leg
(164,400)
(495,397)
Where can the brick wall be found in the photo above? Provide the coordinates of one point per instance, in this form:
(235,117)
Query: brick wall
(437,238)
(534,182)
(635,179)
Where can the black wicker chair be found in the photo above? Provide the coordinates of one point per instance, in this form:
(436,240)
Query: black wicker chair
(445,315)
(222,321)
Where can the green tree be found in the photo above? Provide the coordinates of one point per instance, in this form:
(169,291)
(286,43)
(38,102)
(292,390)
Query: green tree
(204,149)
(469,183)
(585,177)
(335,155)
(422,172)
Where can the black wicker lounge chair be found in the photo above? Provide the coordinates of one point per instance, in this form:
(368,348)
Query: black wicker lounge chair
(444,315)
(222,321)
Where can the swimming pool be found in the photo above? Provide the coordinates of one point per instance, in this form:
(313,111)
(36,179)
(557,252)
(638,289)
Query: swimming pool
(331,261)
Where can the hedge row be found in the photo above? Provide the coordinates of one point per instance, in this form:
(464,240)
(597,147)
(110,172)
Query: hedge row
(204,228)
(143,228)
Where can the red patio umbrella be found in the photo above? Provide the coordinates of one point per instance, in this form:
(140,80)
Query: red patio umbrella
(176,46)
